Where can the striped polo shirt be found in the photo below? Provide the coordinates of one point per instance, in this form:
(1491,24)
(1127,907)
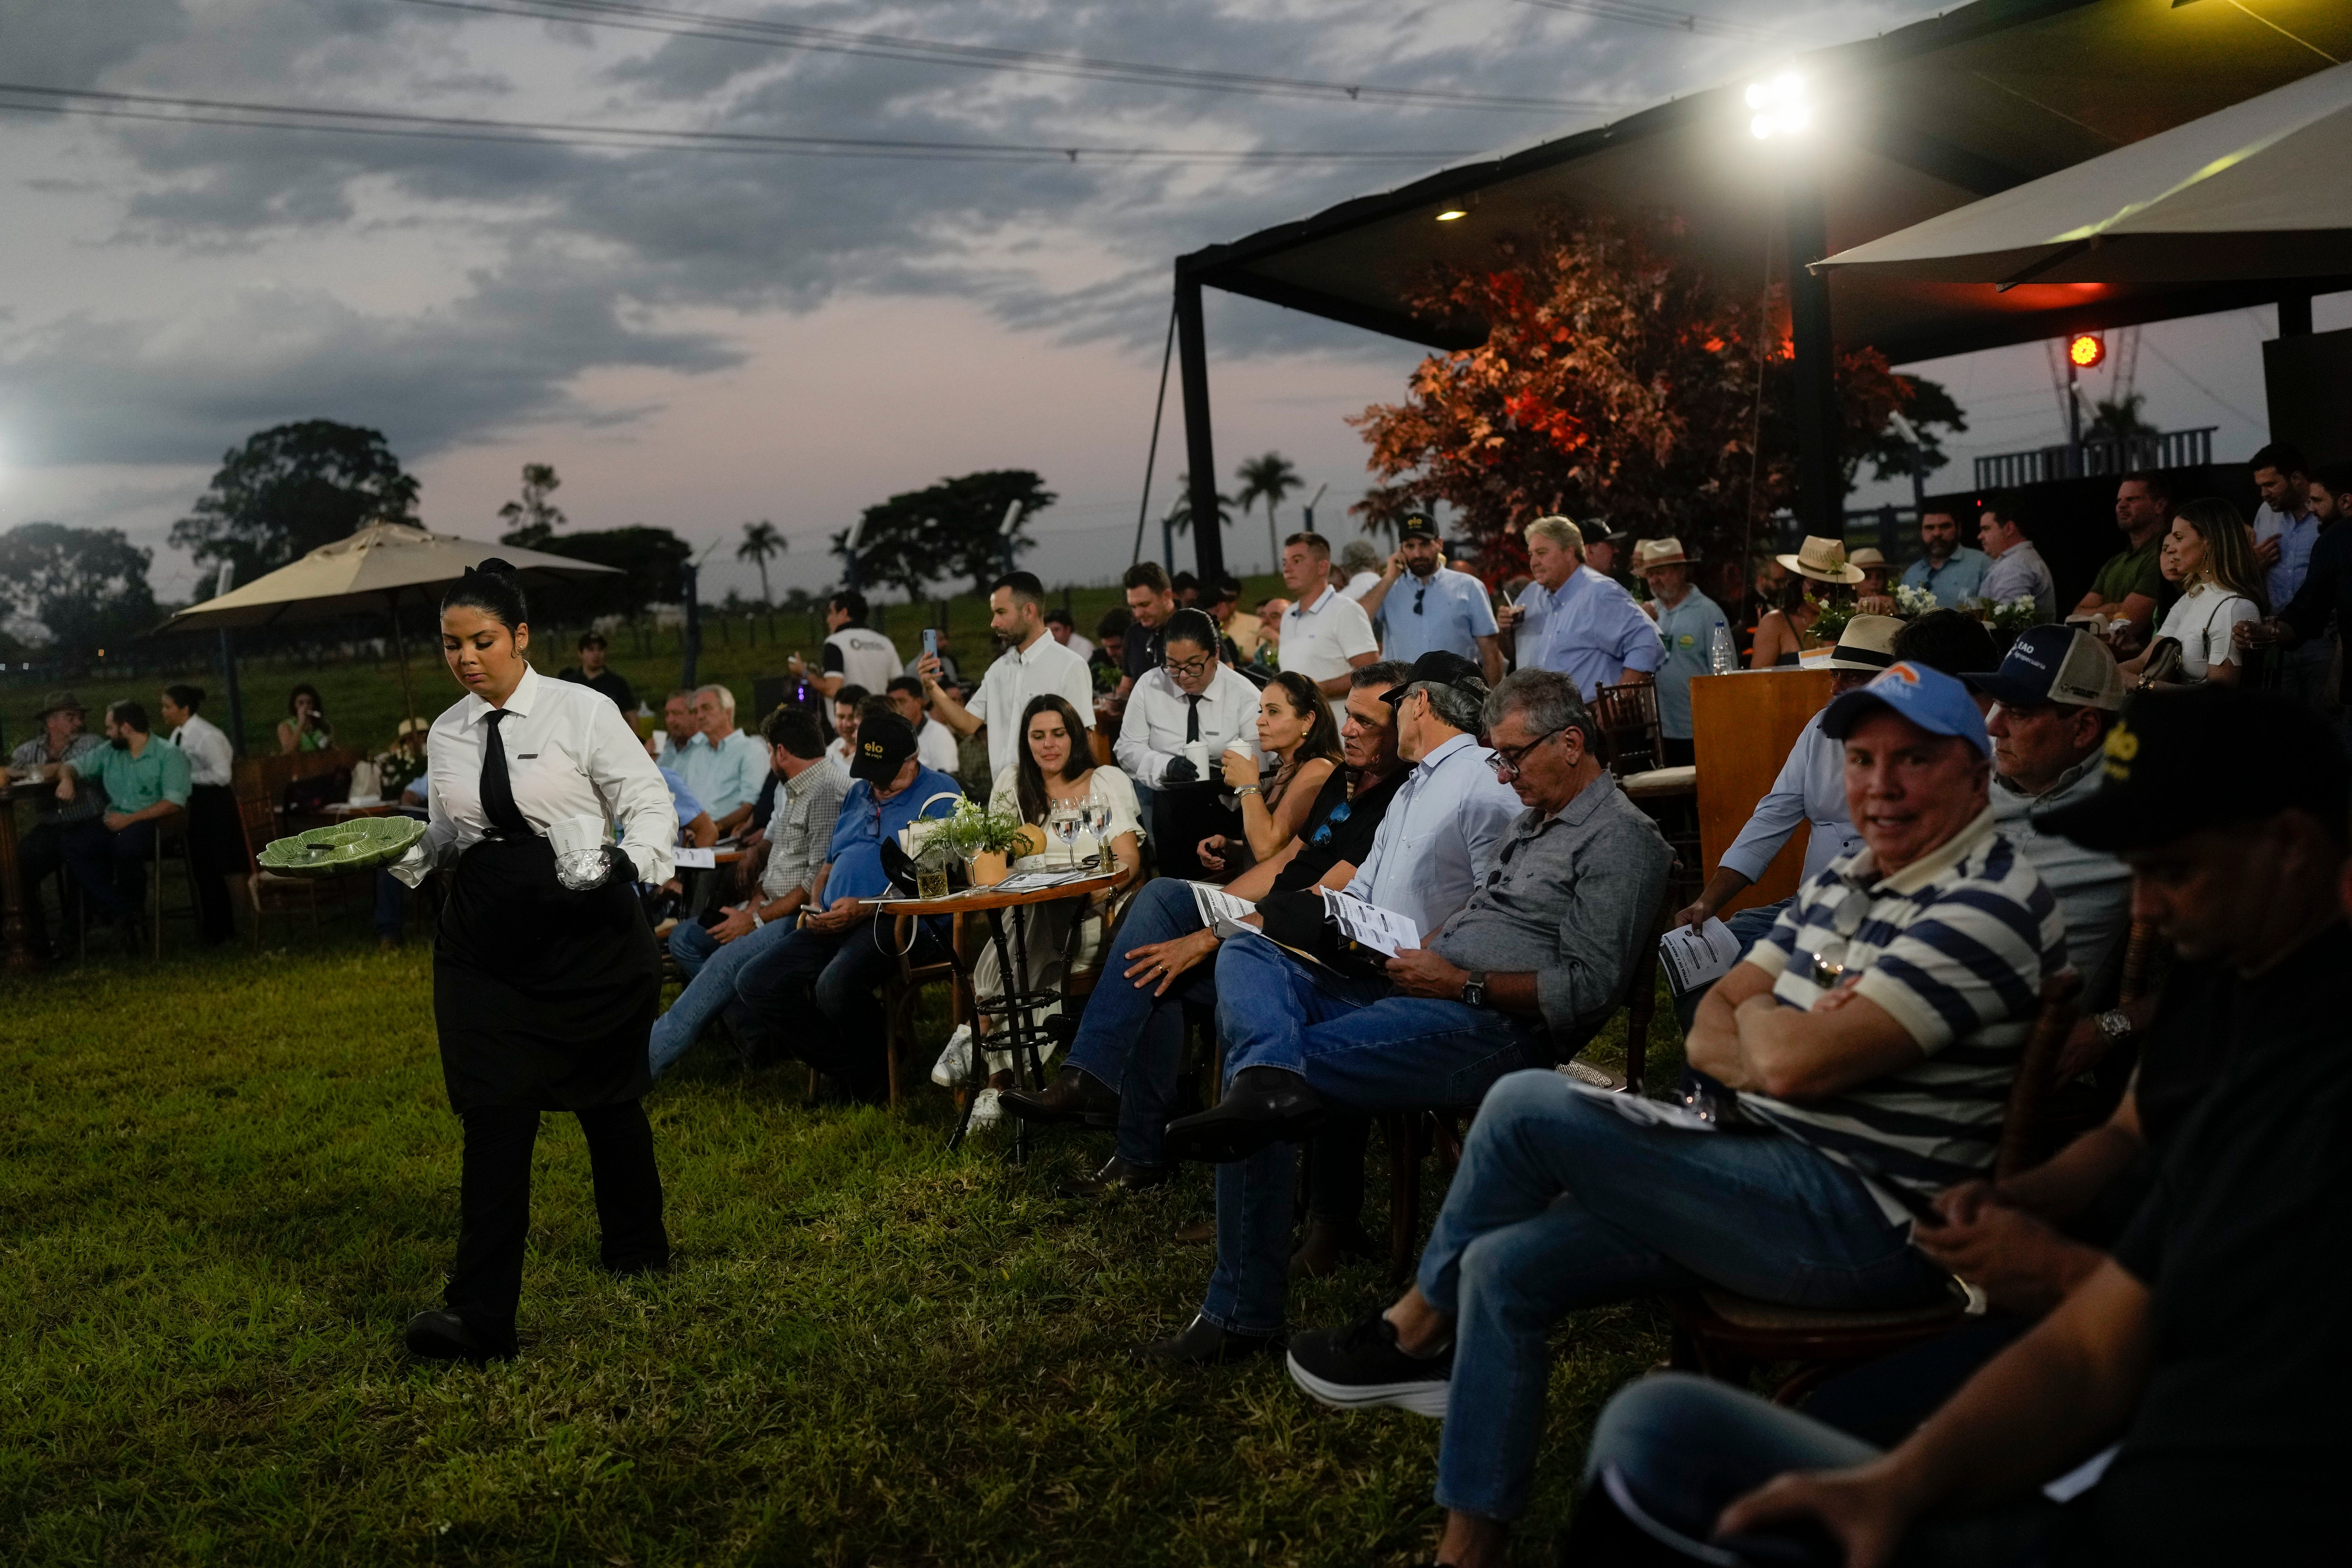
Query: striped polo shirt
(1954,946)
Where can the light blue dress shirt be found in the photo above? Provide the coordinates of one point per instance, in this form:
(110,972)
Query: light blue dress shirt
(1440,837)
(723,775)
(1687,628)
(2296,536)
(681,798)
(1453,615)
(1961,578)
(1810,789)
(1591,631)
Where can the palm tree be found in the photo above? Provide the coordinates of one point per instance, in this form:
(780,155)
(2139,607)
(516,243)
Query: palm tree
(761,540)
(1180,512)
(1268,478)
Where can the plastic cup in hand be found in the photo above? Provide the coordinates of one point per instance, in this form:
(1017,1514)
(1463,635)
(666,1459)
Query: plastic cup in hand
(579,845)
(1197,753)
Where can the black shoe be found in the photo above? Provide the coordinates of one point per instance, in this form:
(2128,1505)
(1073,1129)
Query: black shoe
(1122,1175)
(1074,1096)
(638,1267)
(1203,1343)
(1328,1244)
(443,1336)
(1262,1106)
(1359,1366)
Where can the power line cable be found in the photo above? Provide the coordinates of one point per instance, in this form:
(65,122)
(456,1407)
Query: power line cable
(673,23)
(160,109)
(1697,24)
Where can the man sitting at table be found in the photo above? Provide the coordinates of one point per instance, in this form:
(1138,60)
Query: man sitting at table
(57,824)
(813,993)
(145,780)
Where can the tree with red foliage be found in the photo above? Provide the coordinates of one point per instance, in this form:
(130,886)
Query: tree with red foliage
(1615,381)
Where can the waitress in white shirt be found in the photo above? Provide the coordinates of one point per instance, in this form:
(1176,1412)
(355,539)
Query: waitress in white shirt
(544,995)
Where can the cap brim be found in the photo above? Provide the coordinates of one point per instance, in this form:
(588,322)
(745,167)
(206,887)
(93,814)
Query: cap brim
(1845,711)
(2109,822)
(2006,689)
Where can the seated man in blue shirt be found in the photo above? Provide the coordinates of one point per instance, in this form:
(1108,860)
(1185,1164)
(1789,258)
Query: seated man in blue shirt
(813,993)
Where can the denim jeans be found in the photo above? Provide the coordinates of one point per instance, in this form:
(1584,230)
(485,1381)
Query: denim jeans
(1687,1447)
(1749,926)
(112,868)
(1361,1049)
(711,967)
(812,993)
(1561,1203)
(1132,1040)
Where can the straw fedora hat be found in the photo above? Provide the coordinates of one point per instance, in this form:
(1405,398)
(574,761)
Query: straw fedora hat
(1822,560)
(1866,558)
(1667,552)
(1868,642)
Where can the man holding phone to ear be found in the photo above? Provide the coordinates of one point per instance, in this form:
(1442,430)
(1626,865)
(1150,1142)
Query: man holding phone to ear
(1033,665)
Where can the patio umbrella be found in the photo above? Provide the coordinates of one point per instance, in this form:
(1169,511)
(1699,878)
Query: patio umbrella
(368,571)
(2261,189)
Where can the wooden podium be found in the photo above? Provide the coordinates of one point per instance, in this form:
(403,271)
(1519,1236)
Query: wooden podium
(1744,726)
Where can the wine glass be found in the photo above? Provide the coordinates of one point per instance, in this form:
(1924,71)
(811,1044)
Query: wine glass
(1098,814)
(1063,826)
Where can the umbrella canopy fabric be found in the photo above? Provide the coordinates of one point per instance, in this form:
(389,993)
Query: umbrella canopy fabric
(2261,189)
(359,574)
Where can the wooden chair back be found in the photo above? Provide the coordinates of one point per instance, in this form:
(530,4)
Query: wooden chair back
(2022,1122)
(1628,716)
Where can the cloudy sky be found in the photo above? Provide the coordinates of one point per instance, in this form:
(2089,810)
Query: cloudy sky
(697,338)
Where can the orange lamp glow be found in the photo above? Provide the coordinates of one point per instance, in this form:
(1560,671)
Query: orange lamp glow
(2084,349)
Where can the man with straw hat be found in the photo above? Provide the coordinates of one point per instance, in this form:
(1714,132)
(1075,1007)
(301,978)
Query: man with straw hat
(57,825)
(1686,621)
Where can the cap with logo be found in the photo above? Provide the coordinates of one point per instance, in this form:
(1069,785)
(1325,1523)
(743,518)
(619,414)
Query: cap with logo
(2179,760)
(2055,664)
(1935,701)
(884,744)
(1440,668)
(1866,643)
(1416,525)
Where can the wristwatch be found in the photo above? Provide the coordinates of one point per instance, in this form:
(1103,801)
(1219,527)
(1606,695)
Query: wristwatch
(1473,990)
(2115,1025)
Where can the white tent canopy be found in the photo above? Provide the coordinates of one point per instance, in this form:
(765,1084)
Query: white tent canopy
(2261,189)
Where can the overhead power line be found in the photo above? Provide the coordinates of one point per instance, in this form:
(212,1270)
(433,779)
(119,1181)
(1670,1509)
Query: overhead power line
(162,109)
(1665,18)
(644,18)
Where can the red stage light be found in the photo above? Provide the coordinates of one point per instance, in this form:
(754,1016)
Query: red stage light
(2084,349)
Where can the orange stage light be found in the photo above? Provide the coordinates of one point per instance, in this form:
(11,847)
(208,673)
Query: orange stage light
(2084,349)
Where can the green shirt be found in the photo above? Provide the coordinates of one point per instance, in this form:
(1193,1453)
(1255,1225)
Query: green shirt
(2133,571)
(134,784)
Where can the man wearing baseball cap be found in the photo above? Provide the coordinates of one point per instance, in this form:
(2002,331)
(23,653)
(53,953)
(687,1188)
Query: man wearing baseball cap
(813,993)
(2054,696)
(1436,611)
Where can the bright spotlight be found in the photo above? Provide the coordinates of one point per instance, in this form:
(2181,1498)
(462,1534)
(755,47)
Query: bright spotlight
(1451,213)
(1781,107)
(2086,350)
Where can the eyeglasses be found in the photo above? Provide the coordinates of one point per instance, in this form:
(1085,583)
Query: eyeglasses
(1508,760)
(1188,669)
(1419,593)
(1322,836)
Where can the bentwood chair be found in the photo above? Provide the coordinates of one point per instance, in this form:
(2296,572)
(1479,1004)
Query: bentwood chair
(268,892)
(1628,716)
(1723,1335)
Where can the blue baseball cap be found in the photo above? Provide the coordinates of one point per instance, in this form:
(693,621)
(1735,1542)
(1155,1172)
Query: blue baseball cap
(1937,702)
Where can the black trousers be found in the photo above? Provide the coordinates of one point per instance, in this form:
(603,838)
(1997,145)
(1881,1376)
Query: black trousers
(217,849)
(494,1197)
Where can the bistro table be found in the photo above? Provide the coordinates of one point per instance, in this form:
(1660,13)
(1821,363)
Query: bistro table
(18,958)
(1021,1033)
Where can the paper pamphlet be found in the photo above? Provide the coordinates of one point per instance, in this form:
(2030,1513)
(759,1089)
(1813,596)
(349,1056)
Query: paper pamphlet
(1696,958)
(1643,1112)
(1383,930)
(1033,882)
(694,859)
(1222,912)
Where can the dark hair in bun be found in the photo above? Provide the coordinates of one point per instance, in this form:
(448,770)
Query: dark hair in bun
(491,589)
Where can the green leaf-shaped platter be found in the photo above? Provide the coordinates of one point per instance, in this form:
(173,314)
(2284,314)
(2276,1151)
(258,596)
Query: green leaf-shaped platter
(359,845)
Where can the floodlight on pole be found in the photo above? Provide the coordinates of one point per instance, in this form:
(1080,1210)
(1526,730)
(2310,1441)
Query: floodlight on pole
(1782,107)
(2084,349)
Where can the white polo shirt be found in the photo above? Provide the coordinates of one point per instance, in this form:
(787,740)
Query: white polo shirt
(1019,674)
(1319,640)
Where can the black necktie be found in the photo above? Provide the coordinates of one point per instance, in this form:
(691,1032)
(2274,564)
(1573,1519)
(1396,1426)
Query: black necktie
(497,793)
(1192,716)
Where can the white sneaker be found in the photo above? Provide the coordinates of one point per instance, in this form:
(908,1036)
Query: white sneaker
(987,1110)
(954,1066)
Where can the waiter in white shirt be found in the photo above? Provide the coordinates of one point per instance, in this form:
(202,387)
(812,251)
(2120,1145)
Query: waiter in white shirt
(216,838)
(1326,635)
(1180,719)
(1032,665)
(543,992)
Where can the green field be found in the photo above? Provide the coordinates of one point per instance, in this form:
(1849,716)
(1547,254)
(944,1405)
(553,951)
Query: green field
(232,1177)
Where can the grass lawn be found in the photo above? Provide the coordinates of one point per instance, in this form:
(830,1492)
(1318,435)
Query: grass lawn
(231,1178)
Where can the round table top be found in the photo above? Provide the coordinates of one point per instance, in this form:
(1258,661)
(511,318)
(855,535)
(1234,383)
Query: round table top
(985,899)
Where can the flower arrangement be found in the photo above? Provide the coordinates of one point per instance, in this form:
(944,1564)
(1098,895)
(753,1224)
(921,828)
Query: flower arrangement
(397,769)
(2014,615)
(1829,620)
(976,830)
(1912,602)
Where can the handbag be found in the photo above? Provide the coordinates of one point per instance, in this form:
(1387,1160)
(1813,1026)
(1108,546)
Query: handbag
(2162,666)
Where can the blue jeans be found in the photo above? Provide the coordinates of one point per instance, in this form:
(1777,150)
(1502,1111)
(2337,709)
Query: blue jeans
(1561,1203)
(1361,1049)
(1749,926)
(111,867)
(1132,1040)
(812,993)
(711,967)
(1687,1447)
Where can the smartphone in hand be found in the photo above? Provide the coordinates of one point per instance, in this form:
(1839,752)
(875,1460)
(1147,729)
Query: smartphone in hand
(931,641)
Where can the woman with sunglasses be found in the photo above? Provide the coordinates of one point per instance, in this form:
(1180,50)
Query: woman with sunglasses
(1296,729)
(1180,718)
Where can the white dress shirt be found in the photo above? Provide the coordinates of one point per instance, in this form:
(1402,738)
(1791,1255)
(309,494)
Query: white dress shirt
(1153,734)
(1320,639)
(210,756)
(569,753)
(935,747)
(1810,789)
(1440,837)
(1044,667)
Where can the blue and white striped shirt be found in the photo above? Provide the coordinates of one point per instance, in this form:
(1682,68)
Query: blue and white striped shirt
(1955,947)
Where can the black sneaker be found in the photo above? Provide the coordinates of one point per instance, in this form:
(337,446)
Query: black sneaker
(1359,1366)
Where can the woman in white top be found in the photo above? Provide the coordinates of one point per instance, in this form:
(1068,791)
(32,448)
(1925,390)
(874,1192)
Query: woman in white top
(2211,553)
(543,991)
(1054,776)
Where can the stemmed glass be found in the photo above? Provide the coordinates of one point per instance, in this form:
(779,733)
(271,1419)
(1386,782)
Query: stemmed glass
(1064,825)
(1098,814)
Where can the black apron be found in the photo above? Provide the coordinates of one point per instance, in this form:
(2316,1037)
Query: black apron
(545,997)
